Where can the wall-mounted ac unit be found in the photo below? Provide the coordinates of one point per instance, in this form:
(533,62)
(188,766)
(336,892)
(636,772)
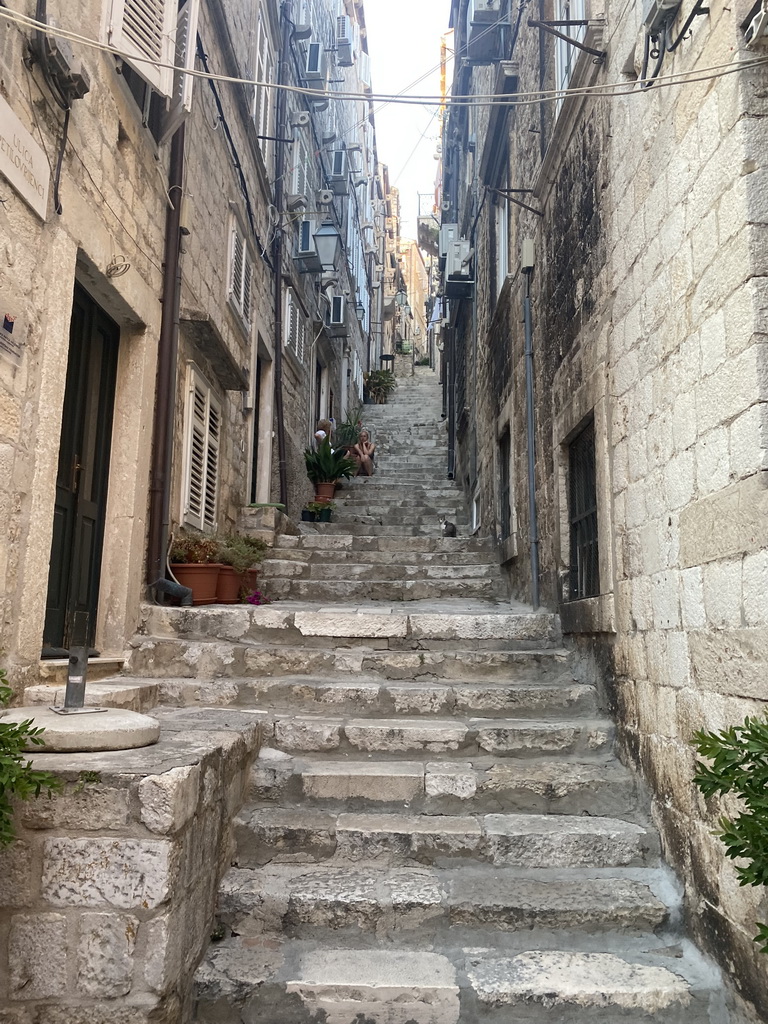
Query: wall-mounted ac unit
(345,41)
(300,119)
(315,70)
(324,197)
(338,179)
(483,35)
(458,282)
(306,256)
(448,234)
(337,316)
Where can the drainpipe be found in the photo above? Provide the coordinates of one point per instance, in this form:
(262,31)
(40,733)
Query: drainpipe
(165,389)
(277,253)
(532,513)
(450,374)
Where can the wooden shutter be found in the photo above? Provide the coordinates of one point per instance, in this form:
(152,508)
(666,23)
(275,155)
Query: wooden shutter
(185,50)
(202,454)
(144,33)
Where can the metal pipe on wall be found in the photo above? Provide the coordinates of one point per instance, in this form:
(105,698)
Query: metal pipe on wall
(530,430)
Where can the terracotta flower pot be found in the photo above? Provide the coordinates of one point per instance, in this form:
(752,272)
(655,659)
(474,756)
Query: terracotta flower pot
(201,577)
(229,585)
(324,492)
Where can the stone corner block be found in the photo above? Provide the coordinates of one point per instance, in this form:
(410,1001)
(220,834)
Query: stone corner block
(168,801)
(95,872)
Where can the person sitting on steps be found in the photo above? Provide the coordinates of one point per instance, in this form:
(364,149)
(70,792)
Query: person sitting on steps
(363,453)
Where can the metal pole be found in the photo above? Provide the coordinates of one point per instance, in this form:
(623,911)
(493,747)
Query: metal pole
(77,670)
(532,514)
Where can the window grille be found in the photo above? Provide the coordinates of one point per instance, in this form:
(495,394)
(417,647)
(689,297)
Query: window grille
(582,513)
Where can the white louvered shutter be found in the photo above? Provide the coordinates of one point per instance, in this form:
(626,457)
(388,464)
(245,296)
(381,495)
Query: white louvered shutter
(238,258)
(144,33)
(202,454)
(185,50)
(212,463)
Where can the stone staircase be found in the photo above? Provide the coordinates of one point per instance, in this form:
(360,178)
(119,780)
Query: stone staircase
(438,830)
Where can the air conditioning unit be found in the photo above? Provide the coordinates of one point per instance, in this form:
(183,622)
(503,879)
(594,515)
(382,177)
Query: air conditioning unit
(315,71)
(338,179)
(324,197)
(483,35)
(458,283)
(756,33)
(345,41)
(448,233)
(300,119)
(328,135)
(656,12)
(306,256)
(295,202)
(337,316)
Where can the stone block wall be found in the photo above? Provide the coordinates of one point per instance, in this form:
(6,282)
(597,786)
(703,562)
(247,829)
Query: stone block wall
(107,896)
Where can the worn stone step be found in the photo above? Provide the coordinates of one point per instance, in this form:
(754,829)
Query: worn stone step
(375,696)
(418,904)
(376,529)
(383,590)
(426,734)
(353,556)
(165,657)
(595,785)
(438,545)
(517,840)
(259,980)
(382,571)
(424,516)
(128,694)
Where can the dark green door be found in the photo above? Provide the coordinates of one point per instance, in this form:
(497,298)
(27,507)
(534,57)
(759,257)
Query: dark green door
(82,478)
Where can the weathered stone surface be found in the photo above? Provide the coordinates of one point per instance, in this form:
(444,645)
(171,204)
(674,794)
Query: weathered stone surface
(383,782)
(123,873)
(563,841)
(38,950)
(407,987)
(105,954)
(405,734)
(168,801)
(80,805)
(556,979)
(307,733)
(450,779)
(109,730)
(16,875)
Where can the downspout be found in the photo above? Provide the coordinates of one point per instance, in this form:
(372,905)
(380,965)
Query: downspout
(167,356)
(530,427)
(451,388)
(277,253)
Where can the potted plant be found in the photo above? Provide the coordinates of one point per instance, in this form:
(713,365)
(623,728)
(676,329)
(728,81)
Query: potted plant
(308,515)
(194,558)
(321,510)
(325,466)
(348,431)
(379,385)
(239,554)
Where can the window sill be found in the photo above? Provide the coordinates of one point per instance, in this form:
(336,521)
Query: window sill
(508,549)
(589,615)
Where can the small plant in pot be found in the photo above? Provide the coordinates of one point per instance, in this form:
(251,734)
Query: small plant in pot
(239,555)
(379,385)
(325,466)
(322,510)
(195,564)
(348,431)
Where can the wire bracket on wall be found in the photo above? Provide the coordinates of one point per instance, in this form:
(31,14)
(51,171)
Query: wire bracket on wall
(549,26)
(509,194)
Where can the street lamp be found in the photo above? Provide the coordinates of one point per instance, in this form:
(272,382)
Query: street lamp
(328,245)
(401,297)
(360,310)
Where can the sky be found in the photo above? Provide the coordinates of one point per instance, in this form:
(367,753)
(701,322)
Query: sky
(404,45)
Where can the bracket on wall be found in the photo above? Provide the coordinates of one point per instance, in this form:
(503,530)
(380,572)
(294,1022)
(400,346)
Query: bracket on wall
(548,26)
(508,193)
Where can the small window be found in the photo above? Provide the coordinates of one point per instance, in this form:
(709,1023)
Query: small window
(582,514)
(201,455)
(295,326)
(240,275)
(566,54)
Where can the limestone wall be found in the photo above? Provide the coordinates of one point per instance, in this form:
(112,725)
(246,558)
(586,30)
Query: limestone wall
(107,897)
(648,316)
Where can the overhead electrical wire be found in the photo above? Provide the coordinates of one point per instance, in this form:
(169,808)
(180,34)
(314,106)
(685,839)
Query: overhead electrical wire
(529,98)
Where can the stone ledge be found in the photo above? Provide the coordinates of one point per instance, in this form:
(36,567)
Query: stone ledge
(126,860)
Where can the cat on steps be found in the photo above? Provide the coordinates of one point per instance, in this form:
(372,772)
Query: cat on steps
(447,529)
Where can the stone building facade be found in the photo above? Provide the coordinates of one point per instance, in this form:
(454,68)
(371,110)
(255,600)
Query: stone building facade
(634,220)
(168,345)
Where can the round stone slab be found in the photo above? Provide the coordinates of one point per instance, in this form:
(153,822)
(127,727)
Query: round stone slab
(112,729)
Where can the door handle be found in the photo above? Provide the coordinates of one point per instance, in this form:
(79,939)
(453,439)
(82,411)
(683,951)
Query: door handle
(75,481)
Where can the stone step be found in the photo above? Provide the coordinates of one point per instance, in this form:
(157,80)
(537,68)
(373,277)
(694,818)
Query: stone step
(501,624)
(418,904)
(370,500)
(504,737)
(430,529)
(128,694)
(516,840)
(53,671)
(327,591)
(257,980)
(354,556)
(167,657)
(484,785)
(276,568)
(382,514)
(438,545)
(379,697)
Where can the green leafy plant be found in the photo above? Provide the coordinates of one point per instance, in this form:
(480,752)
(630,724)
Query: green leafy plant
(324,465)
(320,506)
(18,779)
(193,548)
(380,384)
(240,551)
(738,759)
(347,433)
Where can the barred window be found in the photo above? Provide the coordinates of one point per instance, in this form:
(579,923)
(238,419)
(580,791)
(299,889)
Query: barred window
(582,514)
